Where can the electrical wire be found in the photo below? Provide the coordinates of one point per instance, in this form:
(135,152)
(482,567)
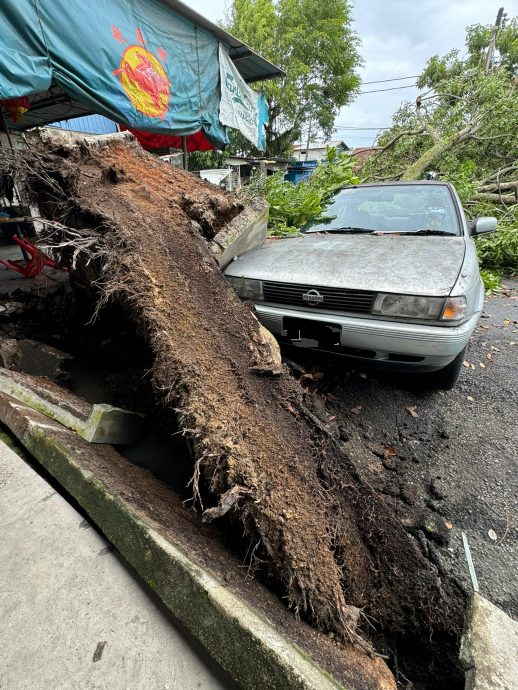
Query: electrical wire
(390,88)
(383,81)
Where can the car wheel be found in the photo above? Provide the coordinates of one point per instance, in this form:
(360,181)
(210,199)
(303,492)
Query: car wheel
(445,379)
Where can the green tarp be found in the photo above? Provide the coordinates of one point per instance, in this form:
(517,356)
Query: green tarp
(135,61)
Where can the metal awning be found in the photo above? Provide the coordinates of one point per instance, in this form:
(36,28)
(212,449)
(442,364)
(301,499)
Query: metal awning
(51,106)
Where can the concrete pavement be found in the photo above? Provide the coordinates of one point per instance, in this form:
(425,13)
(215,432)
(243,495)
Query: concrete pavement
(72,615)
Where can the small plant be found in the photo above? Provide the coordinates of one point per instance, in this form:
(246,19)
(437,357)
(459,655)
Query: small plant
(499,251)
(492,281)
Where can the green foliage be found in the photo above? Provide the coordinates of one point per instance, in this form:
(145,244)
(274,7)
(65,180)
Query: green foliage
(499,251)
(292,206)
(463,177)
(313,42)
(492,281)
(463,126)
(205,160)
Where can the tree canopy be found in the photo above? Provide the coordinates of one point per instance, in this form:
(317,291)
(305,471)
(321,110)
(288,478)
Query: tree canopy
(312,40)
(463,125)
(462,106)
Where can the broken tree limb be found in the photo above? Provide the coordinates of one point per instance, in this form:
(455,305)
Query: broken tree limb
(508,199)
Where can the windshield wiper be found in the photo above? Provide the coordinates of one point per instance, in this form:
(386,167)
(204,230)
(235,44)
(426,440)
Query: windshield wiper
(342,230)
(421,231)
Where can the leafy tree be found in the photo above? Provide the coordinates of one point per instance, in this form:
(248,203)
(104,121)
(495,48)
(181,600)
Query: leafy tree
(463,125)
(313,42)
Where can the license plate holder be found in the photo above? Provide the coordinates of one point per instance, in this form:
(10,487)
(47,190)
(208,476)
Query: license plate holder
(310,333)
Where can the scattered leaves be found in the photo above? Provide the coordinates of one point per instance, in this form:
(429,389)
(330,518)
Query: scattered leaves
(466,364)
(482,365)
(363,376)
(412,411)
(492,535)
(449,524)
(469,398)
(390,452)
(357,409)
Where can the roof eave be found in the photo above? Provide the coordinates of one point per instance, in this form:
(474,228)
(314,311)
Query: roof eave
(259,69)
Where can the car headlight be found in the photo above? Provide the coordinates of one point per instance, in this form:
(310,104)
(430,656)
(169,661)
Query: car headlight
(246,288)
(454,309)
(417,307)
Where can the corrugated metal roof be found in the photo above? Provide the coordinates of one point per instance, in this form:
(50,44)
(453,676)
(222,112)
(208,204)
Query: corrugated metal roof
(48,107)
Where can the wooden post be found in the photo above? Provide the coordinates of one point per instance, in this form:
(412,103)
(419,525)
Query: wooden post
(185,158)
(5,128)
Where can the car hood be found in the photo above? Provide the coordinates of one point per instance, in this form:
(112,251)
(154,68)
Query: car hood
(410,265)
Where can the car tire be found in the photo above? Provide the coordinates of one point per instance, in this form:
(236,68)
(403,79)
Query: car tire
(445,379)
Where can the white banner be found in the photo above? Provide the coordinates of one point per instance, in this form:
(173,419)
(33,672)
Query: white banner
(239,105)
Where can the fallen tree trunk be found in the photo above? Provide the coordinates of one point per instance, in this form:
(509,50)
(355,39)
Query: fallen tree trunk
(330,542)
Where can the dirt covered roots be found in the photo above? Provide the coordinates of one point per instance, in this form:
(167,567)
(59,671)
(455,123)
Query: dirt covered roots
(330,542)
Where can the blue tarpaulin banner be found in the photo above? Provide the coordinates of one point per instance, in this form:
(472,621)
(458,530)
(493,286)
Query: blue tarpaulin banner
(137,62)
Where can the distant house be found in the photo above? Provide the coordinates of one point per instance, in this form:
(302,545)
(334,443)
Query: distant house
(317,150)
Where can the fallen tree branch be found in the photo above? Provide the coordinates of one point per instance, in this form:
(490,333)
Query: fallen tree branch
(508,200)
(394,140)
(498,185)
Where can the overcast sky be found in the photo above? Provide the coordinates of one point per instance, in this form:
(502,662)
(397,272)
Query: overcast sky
(398,37)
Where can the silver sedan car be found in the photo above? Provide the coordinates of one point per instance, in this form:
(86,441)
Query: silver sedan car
(390,278)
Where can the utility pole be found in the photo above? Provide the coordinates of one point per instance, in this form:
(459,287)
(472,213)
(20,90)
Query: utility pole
(492,42)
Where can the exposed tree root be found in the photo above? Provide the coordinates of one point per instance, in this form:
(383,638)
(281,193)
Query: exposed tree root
(332,545)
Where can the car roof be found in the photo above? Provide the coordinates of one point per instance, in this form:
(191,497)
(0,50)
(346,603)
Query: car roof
(391,183)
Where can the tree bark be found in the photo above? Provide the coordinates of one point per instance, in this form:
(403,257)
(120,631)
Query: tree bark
(444,144)
(508,199)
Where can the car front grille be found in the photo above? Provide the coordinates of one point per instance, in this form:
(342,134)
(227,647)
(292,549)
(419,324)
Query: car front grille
(339,299)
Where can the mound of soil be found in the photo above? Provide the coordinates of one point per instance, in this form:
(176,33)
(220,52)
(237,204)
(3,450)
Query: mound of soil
(336,551)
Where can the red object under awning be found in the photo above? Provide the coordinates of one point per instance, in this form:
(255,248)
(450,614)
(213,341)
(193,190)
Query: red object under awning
(150,141)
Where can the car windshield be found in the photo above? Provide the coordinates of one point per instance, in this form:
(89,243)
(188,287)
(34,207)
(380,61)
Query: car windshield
(405,209)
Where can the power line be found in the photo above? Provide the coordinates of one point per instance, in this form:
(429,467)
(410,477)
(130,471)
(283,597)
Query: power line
(376,129)
(391,88)
(382,81)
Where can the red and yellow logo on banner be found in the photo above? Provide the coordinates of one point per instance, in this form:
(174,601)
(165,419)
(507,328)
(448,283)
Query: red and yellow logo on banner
(144,79)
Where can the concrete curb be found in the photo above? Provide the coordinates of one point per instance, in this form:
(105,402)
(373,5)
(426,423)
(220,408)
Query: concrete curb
(254,654)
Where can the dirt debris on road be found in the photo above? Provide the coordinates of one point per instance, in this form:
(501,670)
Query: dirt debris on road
(264,452)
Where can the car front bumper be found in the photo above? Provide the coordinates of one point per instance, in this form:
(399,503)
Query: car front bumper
(391,344)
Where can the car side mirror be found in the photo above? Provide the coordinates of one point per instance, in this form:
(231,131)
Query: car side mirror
(479,226)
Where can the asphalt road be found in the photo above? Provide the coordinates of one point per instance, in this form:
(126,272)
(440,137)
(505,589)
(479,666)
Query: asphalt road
(458,457)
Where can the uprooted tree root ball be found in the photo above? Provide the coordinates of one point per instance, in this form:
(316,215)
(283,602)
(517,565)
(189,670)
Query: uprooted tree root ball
(138,228)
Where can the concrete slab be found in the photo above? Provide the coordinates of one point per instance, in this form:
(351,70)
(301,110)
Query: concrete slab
(100,423)
(489,648)
(72,614)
